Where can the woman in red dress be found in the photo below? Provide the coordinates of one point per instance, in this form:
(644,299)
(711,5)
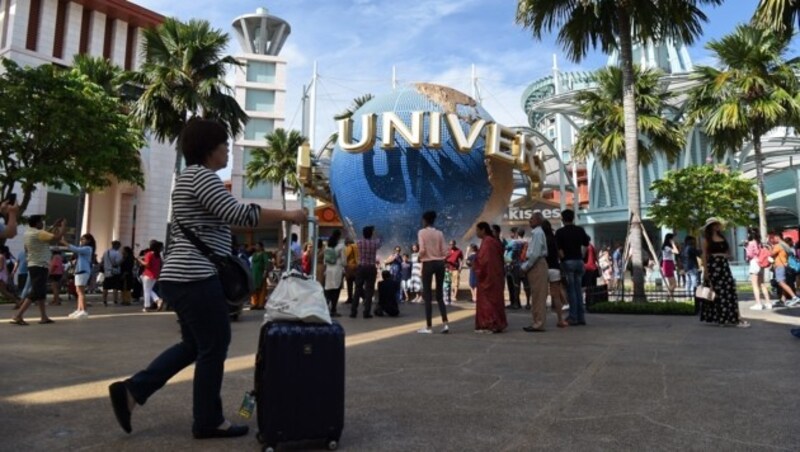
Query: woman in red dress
(490,313)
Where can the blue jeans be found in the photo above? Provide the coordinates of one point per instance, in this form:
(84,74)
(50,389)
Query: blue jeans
(206,334)
(573,270)
(692,281)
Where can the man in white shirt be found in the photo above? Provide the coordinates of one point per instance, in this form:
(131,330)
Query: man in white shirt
(535,269)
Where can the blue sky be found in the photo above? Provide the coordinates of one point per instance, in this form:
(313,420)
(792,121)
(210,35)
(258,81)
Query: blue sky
(356,43)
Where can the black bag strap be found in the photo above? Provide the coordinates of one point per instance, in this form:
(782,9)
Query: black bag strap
(202,247)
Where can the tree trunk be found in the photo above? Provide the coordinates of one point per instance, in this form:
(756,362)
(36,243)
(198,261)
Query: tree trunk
(762,199)
(175,173)
(284,233)
(631,153)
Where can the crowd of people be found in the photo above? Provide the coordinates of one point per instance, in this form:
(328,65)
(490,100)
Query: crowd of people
(48,263)
(548,264)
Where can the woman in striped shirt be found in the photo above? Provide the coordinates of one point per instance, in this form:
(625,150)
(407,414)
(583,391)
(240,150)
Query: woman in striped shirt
(189,283)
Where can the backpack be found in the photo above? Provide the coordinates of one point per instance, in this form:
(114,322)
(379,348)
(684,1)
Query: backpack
(794,263)
(511,255)
(523,254)
(330,256)
(763,258)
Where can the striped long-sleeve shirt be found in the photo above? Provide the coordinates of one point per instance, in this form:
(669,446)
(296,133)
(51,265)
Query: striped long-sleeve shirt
(201,204)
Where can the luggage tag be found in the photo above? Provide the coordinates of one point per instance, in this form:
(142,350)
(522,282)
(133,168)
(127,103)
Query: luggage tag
(248,405)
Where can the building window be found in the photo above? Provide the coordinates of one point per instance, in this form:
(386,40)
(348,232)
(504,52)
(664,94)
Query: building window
(86,31)
(257,129)
(61,22)
(260,72)
(261,101)
(260,191)
(34,18)
(551,132)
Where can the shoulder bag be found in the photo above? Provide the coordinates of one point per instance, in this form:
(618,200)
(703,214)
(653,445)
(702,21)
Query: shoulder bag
(233,272)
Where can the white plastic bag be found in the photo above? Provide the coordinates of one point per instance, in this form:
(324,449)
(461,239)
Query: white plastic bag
(297,298)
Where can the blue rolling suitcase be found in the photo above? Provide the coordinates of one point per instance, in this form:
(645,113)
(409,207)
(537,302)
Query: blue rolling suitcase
(299,387)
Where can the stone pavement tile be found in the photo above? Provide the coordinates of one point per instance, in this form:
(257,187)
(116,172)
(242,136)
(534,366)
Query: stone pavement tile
(621,383)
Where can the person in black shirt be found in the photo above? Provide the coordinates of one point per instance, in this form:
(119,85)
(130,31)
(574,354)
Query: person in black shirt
(557,294)
(387,295)
(571,239)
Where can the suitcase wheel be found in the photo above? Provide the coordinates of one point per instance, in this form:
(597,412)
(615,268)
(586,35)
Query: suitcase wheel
(333,444)
(269,449)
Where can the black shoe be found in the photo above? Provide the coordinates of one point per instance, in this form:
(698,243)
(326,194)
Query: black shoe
(118,392)
(530,329)
(514,306)
(378,314)
(528,307)
(335,314)
(231,432)
(367,316)
(352,316)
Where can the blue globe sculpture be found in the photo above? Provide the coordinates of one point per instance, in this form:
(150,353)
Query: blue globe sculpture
(391,188)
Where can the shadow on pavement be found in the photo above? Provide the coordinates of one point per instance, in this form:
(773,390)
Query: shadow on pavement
(621,383)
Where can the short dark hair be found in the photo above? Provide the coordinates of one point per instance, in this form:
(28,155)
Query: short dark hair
(568,215)
(294,237)
(484,226)
(497,230)
(199,138)
(386,275)
(35,220)
(429,217)
(116,244)
(367,231)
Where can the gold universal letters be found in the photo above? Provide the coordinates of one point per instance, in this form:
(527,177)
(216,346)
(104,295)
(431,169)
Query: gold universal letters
(502,143)
(367,140)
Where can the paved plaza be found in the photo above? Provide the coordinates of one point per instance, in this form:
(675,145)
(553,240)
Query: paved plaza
(621,383)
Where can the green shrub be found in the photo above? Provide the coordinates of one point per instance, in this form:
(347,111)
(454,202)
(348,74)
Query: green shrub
(667,308)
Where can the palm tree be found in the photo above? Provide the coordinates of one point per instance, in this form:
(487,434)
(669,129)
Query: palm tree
(778,15)
(610,25)
(604,134)
(183,76)
(357,103)
(277,162)
(104,73)
(754,91)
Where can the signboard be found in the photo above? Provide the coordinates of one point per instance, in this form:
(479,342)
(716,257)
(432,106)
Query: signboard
(522,213)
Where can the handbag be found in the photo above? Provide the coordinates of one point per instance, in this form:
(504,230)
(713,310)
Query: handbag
(297,298)
(233,272)
(704,293)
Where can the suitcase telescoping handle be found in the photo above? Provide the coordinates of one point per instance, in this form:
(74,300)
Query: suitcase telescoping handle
(313,232)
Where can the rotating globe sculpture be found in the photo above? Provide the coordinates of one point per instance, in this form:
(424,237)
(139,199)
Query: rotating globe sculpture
(390,185)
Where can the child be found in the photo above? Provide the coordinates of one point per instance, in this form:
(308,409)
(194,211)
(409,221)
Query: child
(387,295)
(405,275)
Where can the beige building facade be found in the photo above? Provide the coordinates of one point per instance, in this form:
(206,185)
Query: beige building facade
(35,32)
